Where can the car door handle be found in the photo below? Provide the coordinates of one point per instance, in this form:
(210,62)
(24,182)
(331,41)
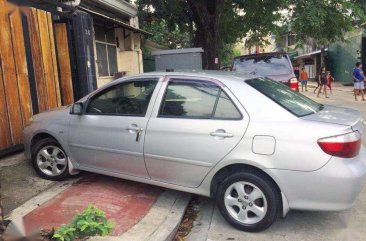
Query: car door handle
(221,134)
(135,128)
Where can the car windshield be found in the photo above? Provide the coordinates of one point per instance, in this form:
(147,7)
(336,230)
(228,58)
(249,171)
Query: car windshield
(276,64)
(292,101)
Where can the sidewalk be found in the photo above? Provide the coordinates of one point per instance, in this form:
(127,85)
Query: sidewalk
(335,86)
(138,211)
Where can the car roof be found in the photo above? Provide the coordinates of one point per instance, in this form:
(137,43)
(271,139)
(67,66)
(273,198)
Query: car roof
(214,74)
(259,54)
(225,77)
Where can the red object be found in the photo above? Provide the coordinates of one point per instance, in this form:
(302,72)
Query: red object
(346,146)
(294,84)
(329,82)
(124,202)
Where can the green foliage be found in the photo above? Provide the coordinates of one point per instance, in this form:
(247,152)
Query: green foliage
(90,222)
(169,36)
(221,23)
(65,233)
(323,21)
(168,21)
(227,54)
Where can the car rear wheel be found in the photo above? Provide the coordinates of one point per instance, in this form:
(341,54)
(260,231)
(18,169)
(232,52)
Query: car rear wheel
(249,201)
(50,160)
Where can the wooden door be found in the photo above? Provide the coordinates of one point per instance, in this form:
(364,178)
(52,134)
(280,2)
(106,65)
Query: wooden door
(50,91)
(63,57)
(15,102)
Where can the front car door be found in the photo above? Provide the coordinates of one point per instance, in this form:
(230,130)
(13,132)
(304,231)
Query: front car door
(197,123)
(109,136)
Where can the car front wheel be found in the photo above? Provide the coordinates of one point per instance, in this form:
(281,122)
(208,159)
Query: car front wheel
(50,160)
(249,201)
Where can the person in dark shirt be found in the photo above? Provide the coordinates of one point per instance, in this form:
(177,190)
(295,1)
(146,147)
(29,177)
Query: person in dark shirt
(323,82)
(358,81)
(317,82)
(297,72)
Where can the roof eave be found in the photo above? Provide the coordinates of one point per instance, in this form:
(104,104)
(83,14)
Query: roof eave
(117,6)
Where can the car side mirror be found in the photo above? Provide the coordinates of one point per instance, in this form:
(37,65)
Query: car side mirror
(76,109)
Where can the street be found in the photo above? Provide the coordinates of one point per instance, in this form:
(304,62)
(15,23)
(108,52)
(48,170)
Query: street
(298,225)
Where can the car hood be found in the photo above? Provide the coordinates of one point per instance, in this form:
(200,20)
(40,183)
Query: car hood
(52,114)
(338,115)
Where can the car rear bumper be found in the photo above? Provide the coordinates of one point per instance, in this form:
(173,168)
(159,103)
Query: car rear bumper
(333,187)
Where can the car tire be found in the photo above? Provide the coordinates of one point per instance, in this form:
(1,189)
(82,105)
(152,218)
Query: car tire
(256,204)
(49,160)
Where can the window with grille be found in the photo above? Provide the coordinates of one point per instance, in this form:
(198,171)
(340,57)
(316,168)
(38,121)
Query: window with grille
(106,48)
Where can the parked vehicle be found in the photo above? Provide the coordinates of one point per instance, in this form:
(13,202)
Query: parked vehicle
(241,140)
(275,65)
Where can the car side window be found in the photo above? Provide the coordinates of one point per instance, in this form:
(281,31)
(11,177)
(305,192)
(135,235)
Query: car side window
(129,98)
(225,108)
(196,100)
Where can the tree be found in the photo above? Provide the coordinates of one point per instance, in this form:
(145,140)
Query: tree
(216,24)
(324,21)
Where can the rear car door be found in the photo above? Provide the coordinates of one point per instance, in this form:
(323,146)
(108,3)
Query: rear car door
(197,123)
(109,136)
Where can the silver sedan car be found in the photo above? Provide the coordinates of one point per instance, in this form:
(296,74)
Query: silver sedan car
(254,145)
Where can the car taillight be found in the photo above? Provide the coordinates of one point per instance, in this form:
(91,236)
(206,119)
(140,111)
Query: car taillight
(294,84)
(345,146)
(293,81)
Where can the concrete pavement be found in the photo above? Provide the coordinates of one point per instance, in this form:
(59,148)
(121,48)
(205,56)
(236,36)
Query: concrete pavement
(19,182)
(347,225)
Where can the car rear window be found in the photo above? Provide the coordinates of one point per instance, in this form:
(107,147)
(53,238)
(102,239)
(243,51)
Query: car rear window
(276,64)
(292,101)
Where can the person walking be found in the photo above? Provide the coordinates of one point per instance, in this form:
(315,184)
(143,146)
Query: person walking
(358,81)
(323,82)
(297,72)
(317,82)
(330,80)
(304,79)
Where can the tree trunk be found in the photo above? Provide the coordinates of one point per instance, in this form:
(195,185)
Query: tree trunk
(206,15)
(322,57)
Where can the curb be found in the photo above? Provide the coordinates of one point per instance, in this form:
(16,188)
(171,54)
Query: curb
(169,228)
(160,223)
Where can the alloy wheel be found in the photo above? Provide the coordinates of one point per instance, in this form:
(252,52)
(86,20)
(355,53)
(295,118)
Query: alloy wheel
(51,160)
(245,202)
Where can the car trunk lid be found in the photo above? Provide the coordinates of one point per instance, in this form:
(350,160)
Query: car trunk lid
(338,115)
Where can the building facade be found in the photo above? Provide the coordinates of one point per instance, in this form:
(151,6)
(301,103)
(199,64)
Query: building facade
(117,38)
(340,57)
